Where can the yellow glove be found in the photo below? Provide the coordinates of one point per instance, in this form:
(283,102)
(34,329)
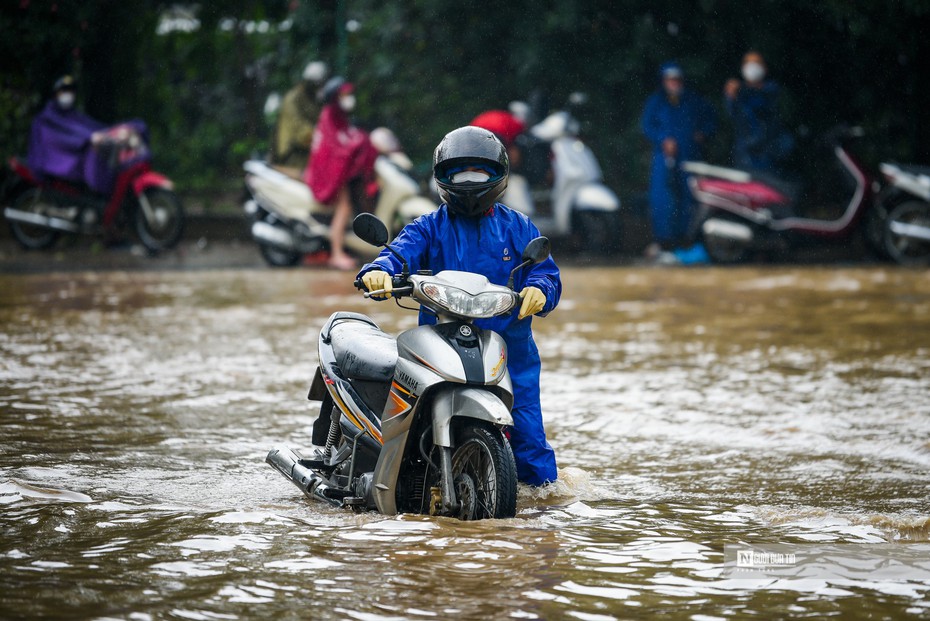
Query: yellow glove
(375,280)
(533,302)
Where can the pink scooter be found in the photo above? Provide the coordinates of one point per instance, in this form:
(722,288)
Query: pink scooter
(742,213)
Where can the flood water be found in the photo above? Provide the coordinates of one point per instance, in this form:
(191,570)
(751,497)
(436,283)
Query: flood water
(689,409)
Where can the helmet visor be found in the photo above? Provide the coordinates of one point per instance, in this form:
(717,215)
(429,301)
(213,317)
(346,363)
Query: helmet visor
(469,172)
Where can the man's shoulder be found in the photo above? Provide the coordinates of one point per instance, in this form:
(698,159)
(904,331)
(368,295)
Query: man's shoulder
(509,213)
(514,220)
(656,98)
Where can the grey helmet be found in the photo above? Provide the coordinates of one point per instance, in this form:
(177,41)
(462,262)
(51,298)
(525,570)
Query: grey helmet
(471,168)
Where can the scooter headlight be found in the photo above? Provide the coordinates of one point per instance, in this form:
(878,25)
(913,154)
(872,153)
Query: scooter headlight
(464,304)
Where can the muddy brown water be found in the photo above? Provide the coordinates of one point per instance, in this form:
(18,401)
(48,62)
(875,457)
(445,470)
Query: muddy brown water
(689,409)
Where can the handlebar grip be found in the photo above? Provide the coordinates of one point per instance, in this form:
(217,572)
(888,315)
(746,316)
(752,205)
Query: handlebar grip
(359,284)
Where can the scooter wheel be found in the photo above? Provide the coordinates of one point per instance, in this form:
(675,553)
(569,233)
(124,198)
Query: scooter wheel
(906,230)
(484,469)
(161,230)
(29,236)
(276,257)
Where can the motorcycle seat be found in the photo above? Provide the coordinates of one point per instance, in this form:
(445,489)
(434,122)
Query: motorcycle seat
(361,349)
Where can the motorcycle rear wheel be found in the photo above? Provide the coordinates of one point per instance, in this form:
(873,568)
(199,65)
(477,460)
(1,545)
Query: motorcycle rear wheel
(277,257)
(598,232)
(165,232)
(724,251)
(483,464)
(29,236)
(903,249)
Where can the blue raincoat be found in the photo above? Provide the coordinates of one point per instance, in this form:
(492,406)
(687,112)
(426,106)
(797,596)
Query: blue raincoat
(492,246)
(759,140)
(669,197)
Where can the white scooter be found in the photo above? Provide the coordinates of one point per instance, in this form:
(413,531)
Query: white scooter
(905,206)
(578,203)
(288,222)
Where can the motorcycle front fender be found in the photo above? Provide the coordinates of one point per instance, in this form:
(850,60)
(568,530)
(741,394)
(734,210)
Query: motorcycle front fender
(468,402)
(151,179)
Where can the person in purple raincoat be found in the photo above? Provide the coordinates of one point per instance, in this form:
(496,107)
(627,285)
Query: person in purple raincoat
(61,136)
(472,232)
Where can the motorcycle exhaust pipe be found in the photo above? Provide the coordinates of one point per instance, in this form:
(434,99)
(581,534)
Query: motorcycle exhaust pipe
(727,230)
(26,217)
(287,462)
(274,236)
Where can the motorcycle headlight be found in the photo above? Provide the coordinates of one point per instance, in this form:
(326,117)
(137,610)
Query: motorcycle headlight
(464,304)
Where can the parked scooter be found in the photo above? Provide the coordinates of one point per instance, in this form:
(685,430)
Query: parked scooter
(740,213)
(577,203)
(905,207)
(288,222)
(44,208)
(415,424)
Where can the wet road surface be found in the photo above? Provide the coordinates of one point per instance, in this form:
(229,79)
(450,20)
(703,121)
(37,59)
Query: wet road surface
(689,409)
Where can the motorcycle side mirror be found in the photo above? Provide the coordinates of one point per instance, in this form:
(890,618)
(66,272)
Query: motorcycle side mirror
(537,251)
(370,229)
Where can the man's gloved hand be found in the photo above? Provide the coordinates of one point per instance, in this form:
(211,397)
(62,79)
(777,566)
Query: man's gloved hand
(375,280)
(533,301)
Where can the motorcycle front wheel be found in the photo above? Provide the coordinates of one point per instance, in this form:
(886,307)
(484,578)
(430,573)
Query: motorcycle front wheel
(907,233)
(485,473)
(162,229)
(30,236)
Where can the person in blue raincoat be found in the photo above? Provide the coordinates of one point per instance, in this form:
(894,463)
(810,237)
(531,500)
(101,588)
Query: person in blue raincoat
(677,122)
(760,142)
(472,232)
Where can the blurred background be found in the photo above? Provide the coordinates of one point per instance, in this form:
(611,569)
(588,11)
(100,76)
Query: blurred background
(201,73)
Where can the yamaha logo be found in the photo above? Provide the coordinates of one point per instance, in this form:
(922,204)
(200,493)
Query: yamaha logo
(465,330)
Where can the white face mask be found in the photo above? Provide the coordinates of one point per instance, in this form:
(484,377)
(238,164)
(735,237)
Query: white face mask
(347,103)
(65,100)
(753,72)
(470,175)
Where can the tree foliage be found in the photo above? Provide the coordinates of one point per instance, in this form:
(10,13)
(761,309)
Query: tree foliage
(423,67)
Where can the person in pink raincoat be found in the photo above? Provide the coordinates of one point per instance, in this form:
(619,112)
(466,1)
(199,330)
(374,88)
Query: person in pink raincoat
(339,154)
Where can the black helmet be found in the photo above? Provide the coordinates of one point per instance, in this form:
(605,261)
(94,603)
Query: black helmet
(64,83)
(331,89)
(470,149)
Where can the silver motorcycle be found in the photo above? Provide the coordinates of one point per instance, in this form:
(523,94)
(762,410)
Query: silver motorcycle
(415,424)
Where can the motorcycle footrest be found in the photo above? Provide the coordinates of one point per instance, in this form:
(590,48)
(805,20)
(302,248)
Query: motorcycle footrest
(353,501)
(313,464)
(337,494)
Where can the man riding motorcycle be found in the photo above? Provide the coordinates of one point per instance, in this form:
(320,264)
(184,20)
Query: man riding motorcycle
(472,232)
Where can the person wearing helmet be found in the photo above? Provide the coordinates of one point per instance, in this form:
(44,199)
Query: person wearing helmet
(473,232)
(299,111)
(60,137)
(340,155)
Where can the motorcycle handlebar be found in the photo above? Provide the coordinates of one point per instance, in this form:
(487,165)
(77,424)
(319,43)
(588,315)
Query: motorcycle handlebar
(399,287)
